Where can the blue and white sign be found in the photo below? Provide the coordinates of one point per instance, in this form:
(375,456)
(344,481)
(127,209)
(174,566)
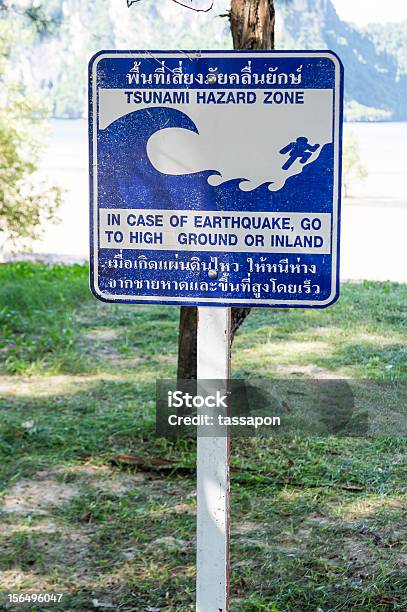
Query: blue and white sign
(215,177)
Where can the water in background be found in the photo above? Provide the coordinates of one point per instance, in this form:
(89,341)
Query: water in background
(374,217)
(65,163)
(383,151)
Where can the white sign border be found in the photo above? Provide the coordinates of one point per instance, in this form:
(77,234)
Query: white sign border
(255,302)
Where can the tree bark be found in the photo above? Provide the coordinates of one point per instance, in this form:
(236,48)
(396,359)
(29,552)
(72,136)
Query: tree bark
(187,343)
(252,25)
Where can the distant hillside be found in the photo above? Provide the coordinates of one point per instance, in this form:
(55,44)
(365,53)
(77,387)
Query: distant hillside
(375,58)
(391,38)
(57,64)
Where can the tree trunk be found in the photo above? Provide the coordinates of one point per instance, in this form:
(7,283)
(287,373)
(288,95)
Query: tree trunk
(187,343)
(252,25)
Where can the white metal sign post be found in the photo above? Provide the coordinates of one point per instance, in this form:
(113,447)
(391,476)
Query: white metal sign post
(213,513)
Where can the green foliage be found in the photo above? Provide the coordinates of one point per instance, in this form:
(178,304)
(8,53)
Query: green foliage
(352,167)
(42,24)
(35,335)
(317,523)
(25,199)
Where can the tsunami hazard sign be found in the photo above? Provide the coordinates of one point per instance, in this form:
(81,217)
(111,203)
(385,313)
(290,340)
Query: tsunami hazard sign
(215,177)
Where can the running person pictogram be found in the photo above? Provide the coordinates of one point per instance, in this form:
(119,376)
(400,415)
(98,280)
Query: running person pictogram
(300,149)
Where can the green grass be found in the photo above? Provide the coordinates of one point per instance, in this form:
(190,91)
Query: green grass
(317,523)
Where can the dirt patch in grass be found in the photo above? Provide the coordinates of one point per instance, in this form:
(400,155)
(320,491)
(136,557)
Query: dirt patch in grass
(359,554)
(15,579)
(402,560)
(48,386)
(42,524)
(253,543)
(101,335)
(319,519)
(169,543)
(361,508)
(53,488)
(100,477)
(246,527)
(286,350)
(294,347)
(305,371)
(103,345)
(69,553)
(37,495)
(63,551)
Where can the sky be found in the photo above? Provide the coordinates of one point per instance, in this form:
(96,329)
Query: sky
(363,12)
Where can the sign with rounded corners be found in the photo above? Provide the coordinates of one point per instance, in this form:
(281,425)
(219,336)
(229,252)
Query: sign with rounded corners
(215,177)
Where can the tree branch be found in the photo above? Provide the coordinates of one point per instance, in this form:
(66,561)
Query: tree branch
(191,8)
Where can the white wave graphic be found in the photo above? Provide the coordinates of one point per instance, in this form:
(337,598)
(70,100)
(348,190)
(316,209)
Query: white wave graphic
(235,141)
